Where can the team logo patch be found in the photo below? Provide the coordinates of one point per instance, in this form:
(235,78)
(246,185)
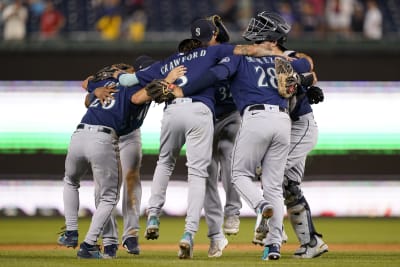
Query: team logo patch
(225,59)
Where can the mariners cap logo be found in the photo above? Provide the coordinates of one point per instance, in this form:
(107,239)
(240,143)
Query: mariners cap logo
(198,33)
(203,30)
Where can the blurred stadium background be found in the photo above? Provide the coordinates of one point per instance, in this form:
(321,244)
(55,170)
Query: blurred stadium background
(354,166)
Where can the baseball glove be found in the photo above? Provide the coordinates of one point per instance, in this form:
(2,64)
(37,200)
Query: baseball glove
(288,80)
(223,34)
(160,91)
(108,71)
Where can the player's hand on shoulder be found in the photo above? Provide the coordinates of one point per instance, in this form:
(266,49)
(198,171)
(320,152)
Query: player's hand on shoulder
(104,94)
(175,73)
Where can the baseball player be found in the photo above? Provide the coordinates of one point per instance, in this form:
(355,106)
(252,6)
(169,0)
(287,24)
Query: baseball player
(131,155)
(94,145)
(304,135)
(226,124)
(130,146)
(303,138)
(264,135)
(186,120)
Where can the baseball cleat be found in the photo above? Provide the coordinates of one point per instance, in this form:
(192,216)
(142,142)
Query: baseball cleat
(272,252)
(259,238)
(186,246)
(264,212)
(152,228)
(216,247)
(231,225)
(68,239)
(110,251)
(87,251)
(307,251)
(131,245)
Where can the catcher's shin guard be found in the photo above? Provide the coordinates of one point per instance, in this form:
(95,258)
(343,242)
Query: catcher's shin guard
(300,218)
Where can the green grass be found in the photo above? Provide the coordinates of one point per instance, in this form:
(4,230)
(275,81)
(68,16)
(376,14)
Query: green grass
(42,231)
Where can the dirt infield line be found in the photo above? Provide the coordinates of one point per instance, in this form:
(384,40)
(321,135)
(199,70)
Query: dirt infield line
(241,247)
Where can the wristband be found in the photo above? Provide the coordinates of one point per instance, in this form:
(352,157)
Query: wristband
(171,86)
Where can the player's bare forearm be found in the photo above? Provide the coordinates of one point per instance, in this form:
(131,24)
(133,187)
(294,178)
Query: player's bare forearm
(87,100)
(177,91)
(252,50)
(242,50)
(140,97)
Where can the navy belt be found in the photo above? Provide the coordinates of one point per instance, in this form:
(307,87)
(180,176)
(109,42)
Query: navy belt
(98,128)
(262,107)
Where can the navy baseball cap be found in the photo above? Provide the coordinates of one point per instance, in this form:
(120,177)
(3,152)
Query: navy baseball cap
(203,30)
(142,62)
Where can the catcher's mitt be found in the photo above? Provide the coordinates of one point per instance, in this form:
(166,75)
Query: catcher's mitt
(288,80)
(160,91)
(108,71)
(223,34)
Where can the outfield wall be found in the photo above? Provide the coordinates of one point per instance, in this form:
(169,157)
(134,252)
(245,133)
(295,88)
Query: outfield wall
(341,199)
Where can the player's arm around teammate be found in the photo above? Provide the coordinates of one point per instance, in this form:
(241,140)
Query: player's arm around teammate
(130,147)
(94,145)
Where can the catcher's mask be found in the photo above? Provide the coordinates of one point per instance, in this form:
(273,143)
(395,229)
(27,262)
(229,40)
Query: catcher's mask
(267,26)
(203,30)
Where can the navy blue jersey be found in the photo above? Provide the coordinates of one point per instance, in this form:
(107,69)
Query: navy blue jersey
(120,114)
(254,80)
(197,61)
(224,103)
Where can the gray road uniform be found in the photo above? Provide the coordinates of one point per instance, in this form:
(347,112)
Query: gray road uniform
(303,138)
(226,126)
(264,134)
(130,146)
(187,121)
(95,145)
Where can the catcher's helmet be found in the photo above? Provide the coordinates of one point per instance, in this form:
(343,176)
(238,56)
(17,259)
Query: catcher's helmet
(267,26)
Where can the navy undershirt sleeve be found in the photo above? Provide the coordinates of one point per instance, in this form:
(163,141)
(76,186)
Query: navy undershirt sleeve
(215,74)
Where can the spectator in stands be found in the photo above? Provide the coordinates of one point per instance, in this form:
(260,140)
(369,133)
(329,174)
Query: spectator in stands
(228,11)
(244,13)
(357,20)
(110,21)
(51,21)
(338,15)
(312,16)
(14,17)
(373,21)
(134,20)
(285,10)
